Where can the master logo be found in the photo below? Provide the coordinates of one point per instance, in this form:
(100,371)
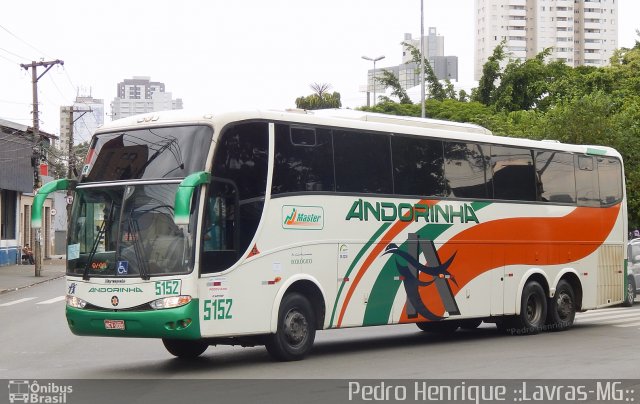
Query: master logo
(302,217)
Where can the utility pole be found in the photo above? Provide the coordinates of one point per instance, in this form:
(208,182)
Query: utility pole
(71,163)
(37,248)
(422,112)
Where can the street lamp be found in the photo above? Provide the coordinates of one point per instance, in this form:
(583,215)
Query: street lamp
(374,60)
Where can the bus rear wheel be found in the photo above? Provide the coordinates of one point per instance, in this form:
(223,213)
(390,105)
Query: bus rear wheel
(439,327)
(296,329)
(184,349)
(562,307)
(533,311)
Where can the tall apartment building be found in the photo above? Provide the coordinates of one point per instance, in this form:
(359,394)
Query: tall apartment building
(88,115)
(140,95)
(444,67)
(580,32)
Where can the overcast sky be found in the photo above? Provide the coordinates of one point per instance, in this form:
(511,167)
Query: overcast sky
(218,54)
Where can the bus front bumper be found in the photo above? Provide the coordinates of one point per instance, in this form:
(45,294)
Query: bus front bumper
(177,323)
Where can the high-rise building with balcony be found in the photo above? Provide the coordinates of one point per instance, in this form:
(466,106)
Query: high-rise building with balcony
(140,95)
(579,32)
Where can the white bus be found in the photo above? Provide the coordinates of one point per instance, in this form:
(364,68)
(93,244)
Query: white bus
(262,227)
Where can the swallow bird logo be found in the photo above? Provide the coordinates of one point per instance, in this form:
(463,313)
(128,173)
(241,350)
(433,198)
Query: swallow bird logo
(435,273)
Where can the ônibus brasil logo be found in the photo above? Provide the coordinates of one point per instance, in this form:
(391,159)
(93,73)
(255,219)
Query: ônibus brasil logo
(26,391)
(302,217)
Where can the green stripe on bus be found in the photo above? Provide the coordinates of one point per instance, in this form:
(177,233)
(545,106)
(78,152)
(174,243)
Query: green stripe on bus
(596,152)
(385,288)
(353,264)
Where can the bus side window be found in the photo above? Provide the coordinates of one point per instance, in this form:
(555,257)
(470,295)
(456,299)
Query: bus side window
(610,176)
(587,190)
(467,172)
(557,177)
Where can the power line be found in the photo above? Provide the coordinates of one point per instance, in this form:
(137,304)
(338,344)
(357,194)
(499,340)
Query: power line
(14,54)
(9,60)
(15,102)
(24,42)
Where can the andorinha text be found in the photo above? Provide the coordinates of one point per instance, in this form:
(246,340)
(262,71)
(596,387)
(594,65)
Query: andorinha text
(406,212)
(115,290)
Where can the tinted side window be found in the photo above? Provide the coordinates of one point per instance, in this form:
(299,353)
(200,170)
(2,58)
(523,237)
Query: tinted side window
(303,160)
(466,170)
(417,166)
(610,176)
(242,157)
(555,176)
(514,176)
(586,181)
(363,162)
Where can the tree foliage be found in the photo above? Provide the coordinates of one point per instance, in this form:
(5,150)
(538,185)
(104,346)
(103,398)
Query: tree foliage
(389,79)
(435,89)
(490,74)
(545,99)
(320,99)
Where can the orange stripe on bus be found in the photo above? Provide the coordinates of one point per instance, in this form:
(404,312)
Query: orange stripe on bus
(375,253)
(523,241)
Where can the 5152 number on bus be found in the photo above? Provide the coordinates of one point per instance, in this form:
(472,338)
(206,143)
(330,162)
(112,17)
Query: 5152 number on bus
(218,309)
(168,288)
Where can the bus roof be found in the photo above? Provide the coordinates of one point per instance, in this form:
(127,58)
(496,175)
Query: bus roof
(351,119)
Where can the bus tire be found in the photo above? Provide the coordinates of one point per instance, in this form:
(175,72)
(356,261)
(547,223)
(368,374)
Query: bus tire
(185,349)
(533,311)
(470,324)
(561,308)
(439,327)
(296,329)
(631,292)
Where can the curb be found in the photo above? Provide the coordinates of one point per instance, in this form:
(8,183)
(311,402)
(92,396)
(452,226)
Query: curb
(3,291)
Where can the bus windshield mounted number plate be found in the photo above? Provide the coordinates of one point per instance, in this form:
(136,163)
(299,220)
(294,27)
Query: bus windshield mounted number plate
(114,324)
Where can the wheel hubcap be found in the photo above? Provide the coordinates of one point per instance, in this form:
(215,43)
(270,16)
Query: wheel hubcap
(533,310)
(564,305)
(630,293)
(295,327)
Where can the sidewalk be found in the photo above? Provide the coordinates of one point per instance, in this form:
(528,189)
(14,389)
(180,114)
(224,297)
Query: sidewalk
(13,277)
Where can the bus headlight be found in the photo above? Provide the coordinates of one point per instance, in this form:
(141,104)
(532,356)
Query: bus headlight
(170,302)
(75,301)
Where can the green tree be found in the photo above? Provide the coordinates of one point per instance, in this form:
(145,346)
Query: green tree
(491,72)
(58,161)
(435,89)
(389,79)
(320,99)
(523,84)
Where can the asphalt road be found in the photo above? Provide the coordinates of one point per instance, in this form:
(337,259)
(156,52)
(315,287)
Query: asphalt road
(38,344)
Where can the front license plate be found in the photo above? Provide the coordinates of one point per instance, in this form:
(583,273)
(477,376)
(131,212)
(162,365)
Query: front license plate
(114,324)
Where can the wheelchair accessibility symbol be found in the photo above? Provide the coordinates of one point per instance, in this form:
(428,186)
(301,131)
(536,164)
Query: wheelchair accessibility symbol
(123,267)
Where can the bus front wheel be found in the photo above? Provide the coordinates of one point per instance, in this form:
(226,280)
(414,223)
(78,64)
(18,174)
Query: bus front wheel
(184,349)
(296,329)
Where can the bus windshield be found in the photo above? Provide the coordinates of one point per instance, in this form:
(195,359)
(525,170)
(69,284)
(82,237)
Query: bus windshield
(127,230)
(170,152)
